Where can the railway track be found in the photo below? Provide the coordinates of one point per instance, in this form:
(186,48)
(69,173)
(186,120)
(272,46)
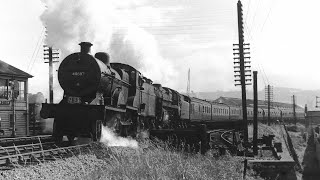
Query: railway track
(222,139)
(225,136)
(4,142)
(10,150)
(33,150)
(32,157)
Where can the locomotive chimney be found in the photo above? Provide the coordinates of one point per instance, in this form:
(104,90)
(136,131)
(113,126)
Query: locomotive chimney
(85,47)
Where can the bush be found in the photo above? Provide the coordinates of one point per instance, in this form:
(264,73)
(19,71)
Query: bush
(292,128)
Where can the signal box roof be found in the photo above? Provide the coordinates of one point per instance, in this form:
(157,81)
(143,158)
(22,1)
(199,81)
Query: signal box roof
(11,71)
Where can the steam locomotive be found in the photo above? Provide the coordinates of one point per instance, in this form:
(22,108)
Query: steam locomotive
(99,93)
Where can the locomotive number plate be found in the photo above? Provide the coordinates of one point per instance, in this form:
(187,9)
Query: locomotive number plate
(74,100)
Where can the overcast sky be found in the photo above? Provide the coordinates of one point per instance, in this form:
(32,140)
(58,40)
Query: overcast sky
(165,38)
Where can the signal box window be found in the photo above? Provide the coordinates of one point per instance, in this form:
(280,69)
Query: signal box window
(20,96)
(5,90)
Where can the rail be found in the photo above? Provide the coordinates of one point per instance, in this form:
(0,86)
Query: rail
(24,140)
(40,155)
(27,147)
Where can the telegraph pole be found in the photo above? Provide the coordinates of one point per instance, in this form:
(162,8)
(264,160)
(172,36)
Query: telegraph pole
(269,99)
(317,97)
(255,113)
(294,109)
(49,55)
(243,68)
(188,83)
(305,115)
(268,105)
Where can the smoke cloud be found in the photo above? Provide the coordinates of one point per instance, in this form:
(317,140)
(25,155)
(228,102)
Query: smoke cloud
(110,26)
(111,139)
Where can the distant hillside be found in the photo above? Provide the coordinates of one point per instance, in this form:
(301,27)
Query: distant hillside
(280,94)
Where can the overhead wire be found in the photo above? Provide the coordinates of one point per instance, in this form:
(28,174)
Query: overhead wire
(35,58)
(262,75)
(273,2)
(35,49)
(172,26)
(252,36)
(265,75)
(254,16)
(248,9)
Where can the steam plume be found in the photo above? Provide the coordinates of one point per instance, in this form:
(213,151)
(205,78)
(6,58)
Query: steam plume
(108,26)
(111,139)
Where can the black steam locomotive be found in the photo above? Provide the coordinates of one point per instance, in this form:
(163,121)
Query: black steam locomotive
(97,92)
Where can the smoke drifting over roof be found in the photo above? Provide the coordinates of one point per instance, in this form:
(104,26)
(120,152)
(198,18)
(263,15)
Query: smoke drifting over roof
(107,25)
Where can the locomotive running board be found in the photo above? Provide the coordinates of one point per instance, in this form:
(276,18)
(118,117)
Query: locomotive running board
(114,109)
(132,108)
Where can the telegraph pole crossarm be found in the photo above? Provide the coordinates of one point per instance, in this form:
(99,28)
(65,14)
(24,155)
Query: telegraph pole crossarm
(49,55)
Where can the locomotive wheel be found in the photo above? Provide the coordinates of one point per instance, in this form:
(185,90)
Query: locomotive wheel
(96,130)
(70,138)
(113,123)
(123,131)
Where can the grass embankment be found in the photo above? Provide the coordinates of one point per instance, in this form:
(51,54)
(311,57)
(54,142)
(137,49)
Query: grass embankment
(298,134)
(149,161)
(266,130)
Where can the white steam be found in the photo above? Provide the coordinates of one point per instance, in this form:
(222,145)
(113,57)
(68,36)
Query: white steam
(111,27)
(111,139)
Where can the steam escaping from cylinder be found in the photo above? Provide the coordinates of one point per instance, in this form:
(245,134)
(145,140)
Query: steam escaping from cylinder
(109,138)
